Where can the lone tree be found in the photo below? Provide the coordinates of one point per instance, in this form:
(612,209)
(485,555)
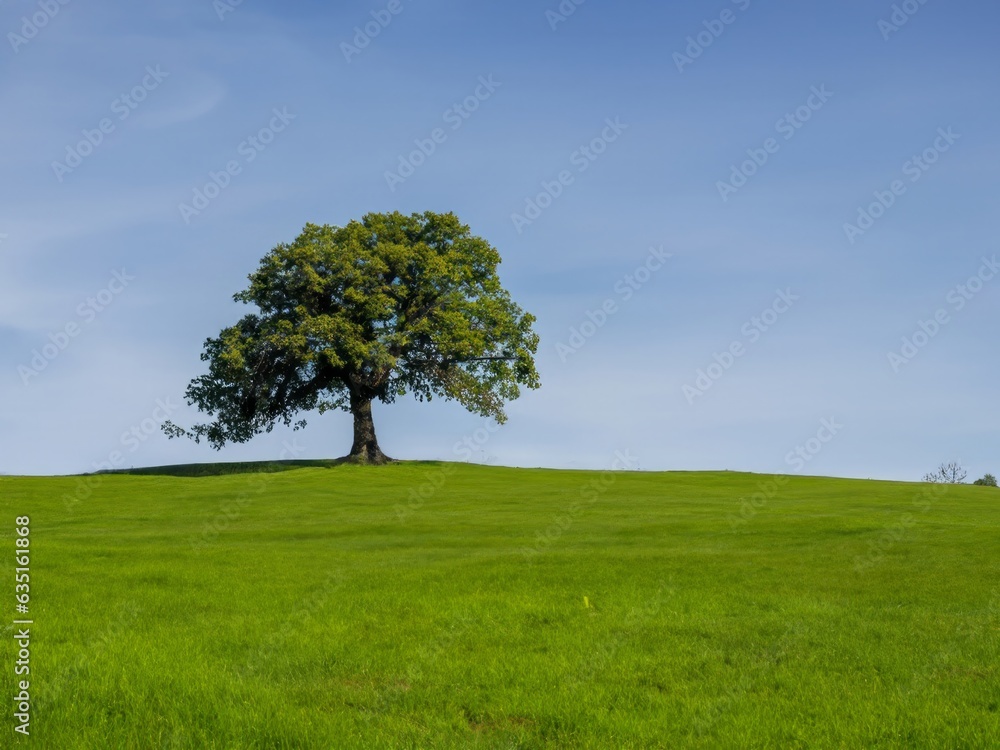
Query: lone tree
(950,473)
(377,309)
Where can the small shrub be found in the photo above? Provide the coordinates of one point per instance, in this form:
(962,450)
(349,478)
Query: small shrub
(988,481)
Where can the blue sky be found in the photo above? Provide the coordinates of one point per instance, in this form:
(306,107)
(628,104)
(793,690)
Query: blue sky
(763,267)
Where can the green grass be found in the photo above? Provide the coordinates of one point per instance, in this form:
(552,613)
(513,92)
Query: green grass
(334,608)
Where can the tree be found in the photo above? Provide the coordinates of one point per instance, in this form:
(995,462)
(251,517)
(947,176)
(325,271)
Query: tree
(988,481)
(950,473)
(374,310)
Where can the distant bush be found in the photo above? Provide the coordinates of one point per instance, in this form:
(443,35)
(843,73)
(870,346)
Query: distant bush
(947,474)
(988,481)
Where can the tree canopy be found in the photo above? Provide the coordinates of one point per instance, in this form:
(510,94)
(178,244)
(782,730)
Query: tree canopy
(373,310)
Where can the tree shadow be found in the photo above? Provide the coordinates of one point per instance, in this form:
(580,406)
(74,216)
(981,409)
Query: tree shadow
(232,467)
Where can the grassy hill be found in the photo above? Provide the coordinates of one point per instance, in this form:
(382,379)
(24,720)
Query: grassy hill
(428,605)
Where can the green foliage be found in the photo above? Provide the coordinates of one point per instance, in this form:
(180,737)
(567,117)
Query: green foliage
(987,481)
(376,309)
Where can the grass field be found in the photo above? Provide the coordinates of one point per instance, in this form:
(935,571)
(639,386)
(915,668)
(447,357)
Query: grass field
(427,605)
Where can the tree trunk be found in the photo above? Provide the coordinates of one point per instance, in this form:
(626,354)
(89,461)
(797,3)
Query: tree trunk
(365,449)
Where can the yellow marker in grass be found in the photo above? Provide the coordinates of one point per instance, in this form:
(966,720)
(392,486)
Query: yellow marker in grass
(586,602)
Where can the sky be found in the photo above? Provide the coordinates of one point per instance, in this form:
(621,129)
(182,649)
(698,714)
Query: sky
(756,236)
